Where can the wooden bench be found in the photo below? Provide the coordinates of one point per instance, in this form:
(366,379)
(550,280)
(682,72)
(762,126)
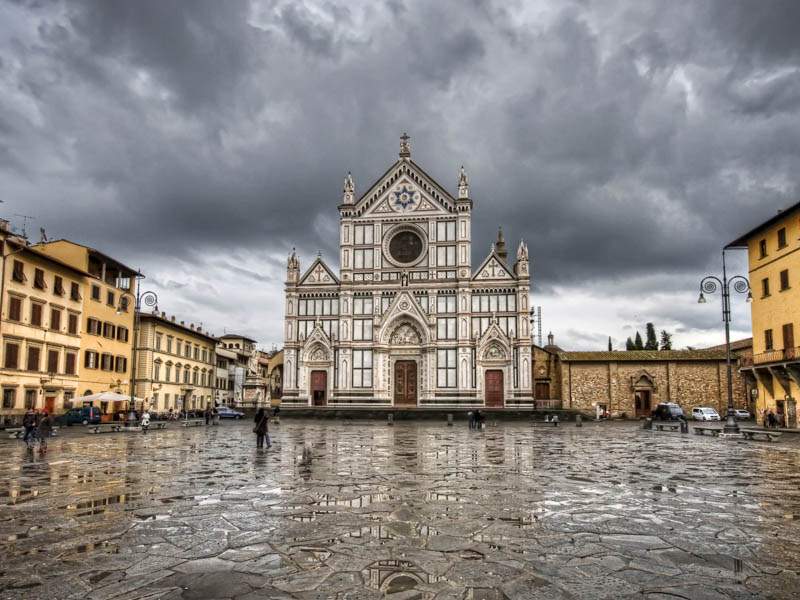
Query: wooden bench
(192,423)
(158,424)
(18,432)
(771,436)
(715,431)
(545,423)
(663,426)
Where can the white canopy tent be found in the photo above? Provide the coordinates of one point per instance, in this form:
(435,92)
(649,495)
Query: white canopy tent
(105,397)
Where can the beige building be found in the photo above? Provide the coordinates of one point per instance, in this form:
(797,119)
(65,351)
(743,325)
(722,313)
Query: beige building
(774,268)
(237,349)
(107,332)
(629,384)
(175,364)
(42,306)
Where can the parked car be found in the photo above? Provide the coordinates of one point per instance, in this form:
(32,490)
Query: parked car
(702,413)
(83,415)
(742,414)
(228,413)
(667,411)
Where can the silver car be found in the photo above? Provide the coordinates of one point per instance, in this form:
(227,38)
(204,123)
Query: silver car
(702,413)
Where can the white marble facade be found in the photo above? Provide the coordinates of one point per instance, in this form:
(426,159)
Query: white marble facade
(407,321)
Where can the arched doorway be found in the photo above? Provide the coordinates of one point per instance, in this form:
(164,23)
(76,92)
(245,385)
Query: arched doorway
(405,383)
(642,396)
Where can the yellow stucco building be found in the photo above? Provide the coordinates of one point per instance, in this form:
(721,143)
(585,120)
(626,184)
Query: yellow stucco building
(773,249)
(107,333)
(175,364)
(42,306)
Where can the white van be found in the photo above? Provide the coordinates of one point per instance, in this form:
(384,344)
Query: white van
(701,413)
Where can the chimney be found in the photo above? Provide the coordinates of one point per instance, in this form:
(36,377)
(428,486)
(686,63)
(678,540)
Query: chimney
(183,324)
(173,318)
(163,315)
(199,329)
(191,326)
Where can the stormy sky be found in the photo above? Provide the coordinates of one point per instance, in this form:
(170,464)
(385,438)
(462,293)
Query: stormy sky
(625,141)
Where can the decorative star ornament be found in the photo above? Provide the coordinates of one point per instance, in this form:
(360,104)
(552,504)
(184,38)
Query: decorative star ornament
(405,198)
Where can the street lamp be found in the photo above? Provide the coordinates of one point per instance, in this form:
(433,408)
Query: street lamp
(149,299)
(740,284)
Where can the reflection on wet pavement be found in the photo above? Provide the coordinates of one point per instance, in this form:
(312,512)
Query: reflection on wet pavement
(418,510)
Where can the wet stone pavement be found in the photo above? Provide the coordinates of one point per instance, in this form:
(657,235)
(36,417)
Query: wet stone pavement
(417,510)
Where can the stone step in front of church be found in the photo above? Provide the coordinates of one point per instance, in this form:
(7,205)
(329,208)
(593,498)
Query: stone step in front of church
(420,413)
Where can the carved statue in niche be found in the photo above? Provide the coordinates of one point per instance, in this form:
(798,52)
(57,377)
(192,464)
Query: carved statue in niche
(495,353)
(405,335)
(319,354)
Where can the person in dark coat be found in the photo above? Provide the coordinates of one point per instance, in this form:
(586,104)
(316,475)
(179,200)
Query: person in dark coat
(43,430)
(29,424)
(262,428)
(207,415)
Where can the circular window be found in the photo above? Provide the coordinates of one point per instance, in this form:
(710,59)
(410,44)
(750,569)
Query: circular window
(405,247)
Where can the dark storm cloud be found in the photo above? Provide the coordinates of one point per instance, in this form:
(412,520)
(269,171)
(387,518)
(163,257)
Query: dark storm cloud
(626,142)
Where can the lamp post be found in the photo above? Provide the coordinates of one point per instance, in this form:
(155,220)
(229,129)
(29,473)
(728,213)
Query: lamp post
(150,299)
(740,284)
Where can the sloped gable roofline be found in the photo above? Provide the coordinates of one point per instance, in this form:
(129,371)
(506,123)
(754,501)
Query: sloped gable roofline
(328,270)
(505,267)
(375,191)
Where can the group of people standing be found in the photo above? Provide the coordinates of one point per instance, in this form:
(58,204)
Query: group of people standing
(37,426)
(261,428)
(771,419)
(476,419)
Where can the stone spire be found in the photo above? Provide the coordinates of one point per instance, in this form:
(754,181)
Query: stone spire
(405,146)
(522,251)
(501,246)
(349,189)
(463,184)
(292,267)
(521,269)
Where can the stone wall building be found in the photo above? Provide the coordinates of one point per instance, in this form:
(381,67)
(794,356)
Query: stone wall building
(629,384)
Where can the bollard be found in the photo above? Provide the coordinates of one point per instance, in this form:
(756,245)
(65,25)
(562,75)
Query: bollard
(684,426)
(648,423)
(390,419)
(449,419)
(578,421)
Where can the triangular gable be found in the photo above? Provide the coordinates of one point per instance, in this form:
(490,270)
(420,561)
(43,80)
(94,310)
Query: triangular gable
(404,305)
(494,345)
(317,346)
(422,193)
(493,269)
(319,274)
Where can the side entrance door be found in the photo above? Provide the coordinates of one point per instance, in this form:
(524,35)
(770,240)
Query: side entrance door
(50,404)
(642,404)
(319,388)
(542,390)
(494,388)
(405,383)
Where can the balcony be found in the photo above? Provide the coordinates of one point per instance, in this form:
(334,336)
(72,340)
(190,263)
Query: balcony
(773,356)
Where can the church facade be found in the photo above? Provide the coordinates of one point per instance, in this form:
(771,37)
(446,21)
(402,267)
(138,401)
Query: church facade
(407,321)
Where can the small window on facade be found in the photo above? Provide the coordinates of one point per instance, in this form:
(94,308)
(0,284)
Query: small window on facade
(19,272)
(768,339)
(55,319)
(95,292)
(122,333)
(110,297)
(108,330)
(785,279)
(121,364)
(36,314)
(58,286)
(762,246)
(14,308)
(765,287)
(9,398)
(90,360)
(72,324)
(107,362)
(11,356)
(158,341)
(33,358)
(52,361)
(30,399)
(69,363)
(38,280)
(75,292)
(782,237)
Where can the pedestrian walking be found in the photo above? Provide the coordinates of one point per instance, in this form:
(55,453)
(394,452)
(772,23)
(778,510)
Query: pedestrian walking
(478,416)
(145,421)
(29,425)
(43,430)
(207,415)
(262,428)
(771,418)
(471,417)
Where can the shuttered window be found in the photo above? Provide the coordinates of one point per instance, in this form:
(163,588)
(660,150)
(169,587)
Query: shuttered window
(12,356)
(38,280)
(121,364)
(55,319)
(52,361)
(19,272)
(75,293)
(14,308)
(72,324)
(33,358)
(90,359)
(36,314)
(108,330)
(69,364)
(58,286)
(106,362)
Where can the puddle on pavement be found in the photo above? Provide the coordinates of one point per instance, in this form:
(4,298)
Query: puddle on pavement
(445,497)
(359,502)
(378,532)
(396,576)
(101,504)
(18,496)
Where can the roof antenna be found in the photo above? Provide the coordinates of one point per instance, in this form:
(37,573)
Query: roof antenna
(24,223)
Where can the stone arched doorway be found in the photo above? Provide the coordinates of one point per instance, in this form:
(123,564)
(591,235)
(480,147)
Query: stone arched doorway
(643,394)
